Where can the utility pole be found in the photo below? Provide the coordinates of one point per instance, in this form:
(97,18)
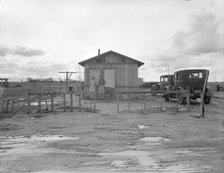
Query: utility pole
(67,77)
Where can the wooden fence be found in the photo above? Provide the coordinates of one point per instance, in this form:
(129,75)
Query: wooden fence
(144,94)
(14,104)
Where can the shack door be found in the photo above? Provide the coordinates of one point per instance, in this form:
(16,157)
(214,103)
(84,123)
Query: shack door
(109,77)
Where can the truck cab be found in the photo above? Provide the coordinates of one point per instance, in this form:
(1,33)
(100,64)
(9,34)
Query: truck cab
(165,82)
(194,81)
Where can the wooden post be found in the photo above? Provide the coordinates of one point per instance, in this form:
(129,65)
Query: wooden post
(95,102)
(80,102)
(12,108)
(222,109)
(39,103)
(24,105)
(177,100)
(117,102)
(7,106)
(161,101)
(144,103)
(188,100)
(2,105)
(71,102)
(202,105)
(68,75)
(64,102)
(202,95)
(129,103)
(52,102)
(17,107)
(28,103)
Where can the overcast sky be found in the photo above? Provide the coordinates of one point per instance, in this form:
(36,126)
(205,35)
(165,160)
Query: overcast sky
(39,38)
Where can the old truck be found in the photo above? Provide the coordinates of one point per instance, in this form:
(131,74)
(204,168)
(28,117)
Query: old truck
(165,82)
(192,80)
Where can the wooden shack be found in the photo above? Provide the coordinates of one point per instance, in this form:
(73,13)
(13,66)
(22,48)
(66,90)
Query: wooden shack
(117,69)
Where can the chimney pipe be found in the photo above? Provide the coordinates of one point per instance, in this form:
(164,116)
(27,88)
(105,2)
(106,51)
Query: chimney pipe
(98,52)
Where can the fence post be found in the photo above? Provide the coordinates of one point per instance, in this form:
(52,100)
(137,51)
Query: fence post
(39,103)
(7,105)
(129,103)
(222,108)
(117,102)
(12,108)
(64,102)
(28,102)
(71,102)
(161,101)
(144,103)
(2,105)
(17,106)
(188,100)
(52,103)
(177,100)
(202,105)
(80,106)
(95,102)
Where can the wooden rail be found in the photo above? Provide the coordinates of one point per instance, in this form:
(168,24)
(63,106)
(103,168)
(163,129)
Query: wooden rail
(13,104)
(128,93)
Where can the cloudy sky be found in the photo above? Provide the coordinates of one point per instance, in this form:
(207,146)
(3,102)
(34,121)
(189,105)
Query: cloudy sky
(39,38)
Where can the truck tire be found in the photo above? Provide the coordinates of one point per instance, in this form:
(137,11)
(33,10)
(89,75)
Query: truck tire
(207,99)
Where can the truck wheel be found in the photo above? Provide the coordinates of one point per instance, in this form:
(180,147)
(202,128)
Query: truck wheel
(207,99)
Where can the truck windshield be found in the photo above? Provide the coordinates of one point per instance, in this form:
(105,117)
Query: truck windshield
(198,75)
(164,79)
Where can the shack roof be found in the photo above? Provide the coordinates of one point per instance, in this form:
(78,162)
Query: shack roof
(82,63)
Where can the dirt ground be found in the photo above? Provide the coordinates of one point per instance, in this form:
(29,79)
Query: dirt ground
(107,141)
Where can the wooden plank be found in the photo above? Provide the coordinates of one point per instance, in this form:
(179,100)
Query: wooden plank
(71,102)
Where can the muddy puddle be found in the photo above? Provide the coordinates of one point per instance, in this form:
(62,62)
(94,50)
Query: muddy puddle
(18,146)
(150,159)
